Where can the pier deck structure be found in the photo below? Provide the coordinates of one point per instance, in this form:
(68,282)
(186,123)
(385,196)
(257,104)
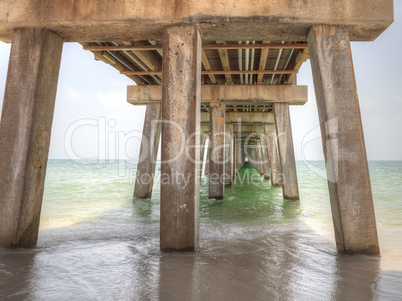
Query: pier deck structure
(223,71)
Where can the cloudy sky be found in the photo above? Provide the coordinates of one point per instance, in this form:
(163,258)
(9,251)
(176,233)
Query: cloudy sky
(93,120)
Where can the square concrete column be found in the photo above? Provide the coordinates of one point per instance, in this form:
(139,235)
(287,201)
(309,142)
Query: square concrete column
(181,106)
(203,139)
(144,179)
(25,128)
(229,154)
(206,172)
(343,140)
(264,155)
(259,158)
(235,157)
(276,178)
(217,149)
(286,152)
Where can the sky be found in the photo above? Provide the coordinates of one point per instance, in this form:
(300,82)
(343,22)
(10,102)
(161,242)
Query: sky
(92,119)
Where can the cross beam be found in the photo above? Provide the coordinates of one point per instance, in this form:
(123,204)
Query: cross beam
(229,94)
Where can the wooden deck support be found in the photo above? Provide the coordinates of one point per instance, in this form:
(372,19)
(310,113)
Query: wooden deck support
(25,129)
(144,179)
(181,107)
(343,140)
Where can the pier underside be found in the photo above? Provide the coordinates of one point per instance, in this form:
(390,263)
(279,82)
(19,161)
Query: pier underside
(223,72)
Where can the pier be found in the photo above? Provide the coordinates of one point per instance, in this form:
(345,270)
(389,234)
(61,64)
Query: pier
(216,77)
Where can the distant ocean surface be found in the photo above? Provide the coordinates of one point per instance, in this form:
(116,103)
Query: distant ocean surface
(98,243)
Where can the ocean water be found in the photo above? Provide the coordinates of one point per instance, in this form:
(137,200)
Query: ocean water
(98,243)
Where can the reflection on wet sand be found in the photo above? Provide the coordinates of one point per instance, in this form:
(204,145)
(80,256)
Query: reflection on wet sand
(279,262)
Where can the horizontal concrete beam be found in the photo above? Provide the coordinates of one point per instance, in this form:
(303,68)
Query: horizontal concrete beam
(229,94)
(244,118)
(226,20)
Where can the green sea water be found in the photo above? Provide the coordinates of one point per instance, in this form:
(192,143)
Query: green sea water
(77,191)
(98,243)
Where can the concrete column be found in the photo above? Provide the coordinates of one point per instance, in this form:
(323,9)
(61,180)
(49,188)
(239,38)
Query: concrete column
(181,106)
(206,172)
(275,169)
(240,157)
(265,161)
(144,179)
(286,151)
(259,158)
(203,139)
(217,149)
(252,156)
(25,129)
(343,140)
(229,154)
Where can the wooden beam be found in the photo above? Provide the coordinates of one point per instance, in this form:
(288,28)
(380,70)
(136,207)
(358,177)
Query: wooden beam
(223,54)
(147,57)
(301,58)
(110,60)
(209,46)
(207,66)
(243,117)
(263,63)
(217,72)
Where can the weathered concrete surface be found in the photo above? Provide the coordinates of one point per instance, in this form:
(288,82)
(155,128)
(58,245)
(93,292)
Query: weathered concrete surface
(25,129)
(265,159)
(229,94)
(144,179)
(245,118)
(203,139)
(217,151)
(180,186)
(229,154)
(276,179)
(206,171)
(343,140)
(225,20)
(286,152)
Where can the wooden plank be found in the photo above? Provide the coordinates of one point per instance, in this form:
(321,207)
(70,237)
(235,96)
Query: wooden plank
(302,57)
(207,66)
(149,58)
(216,72)
(223,54)
(210,46)
(108,59)
(263,63)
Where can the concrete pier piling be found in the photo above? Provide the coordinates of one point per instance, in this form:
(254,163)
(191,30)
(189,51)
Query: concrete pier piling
(273,155)
(203,140)
(228,154)
(265,159)
(144,179)
(25,129)
(180,137)
(283,126)
(343,140)
(217,151)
